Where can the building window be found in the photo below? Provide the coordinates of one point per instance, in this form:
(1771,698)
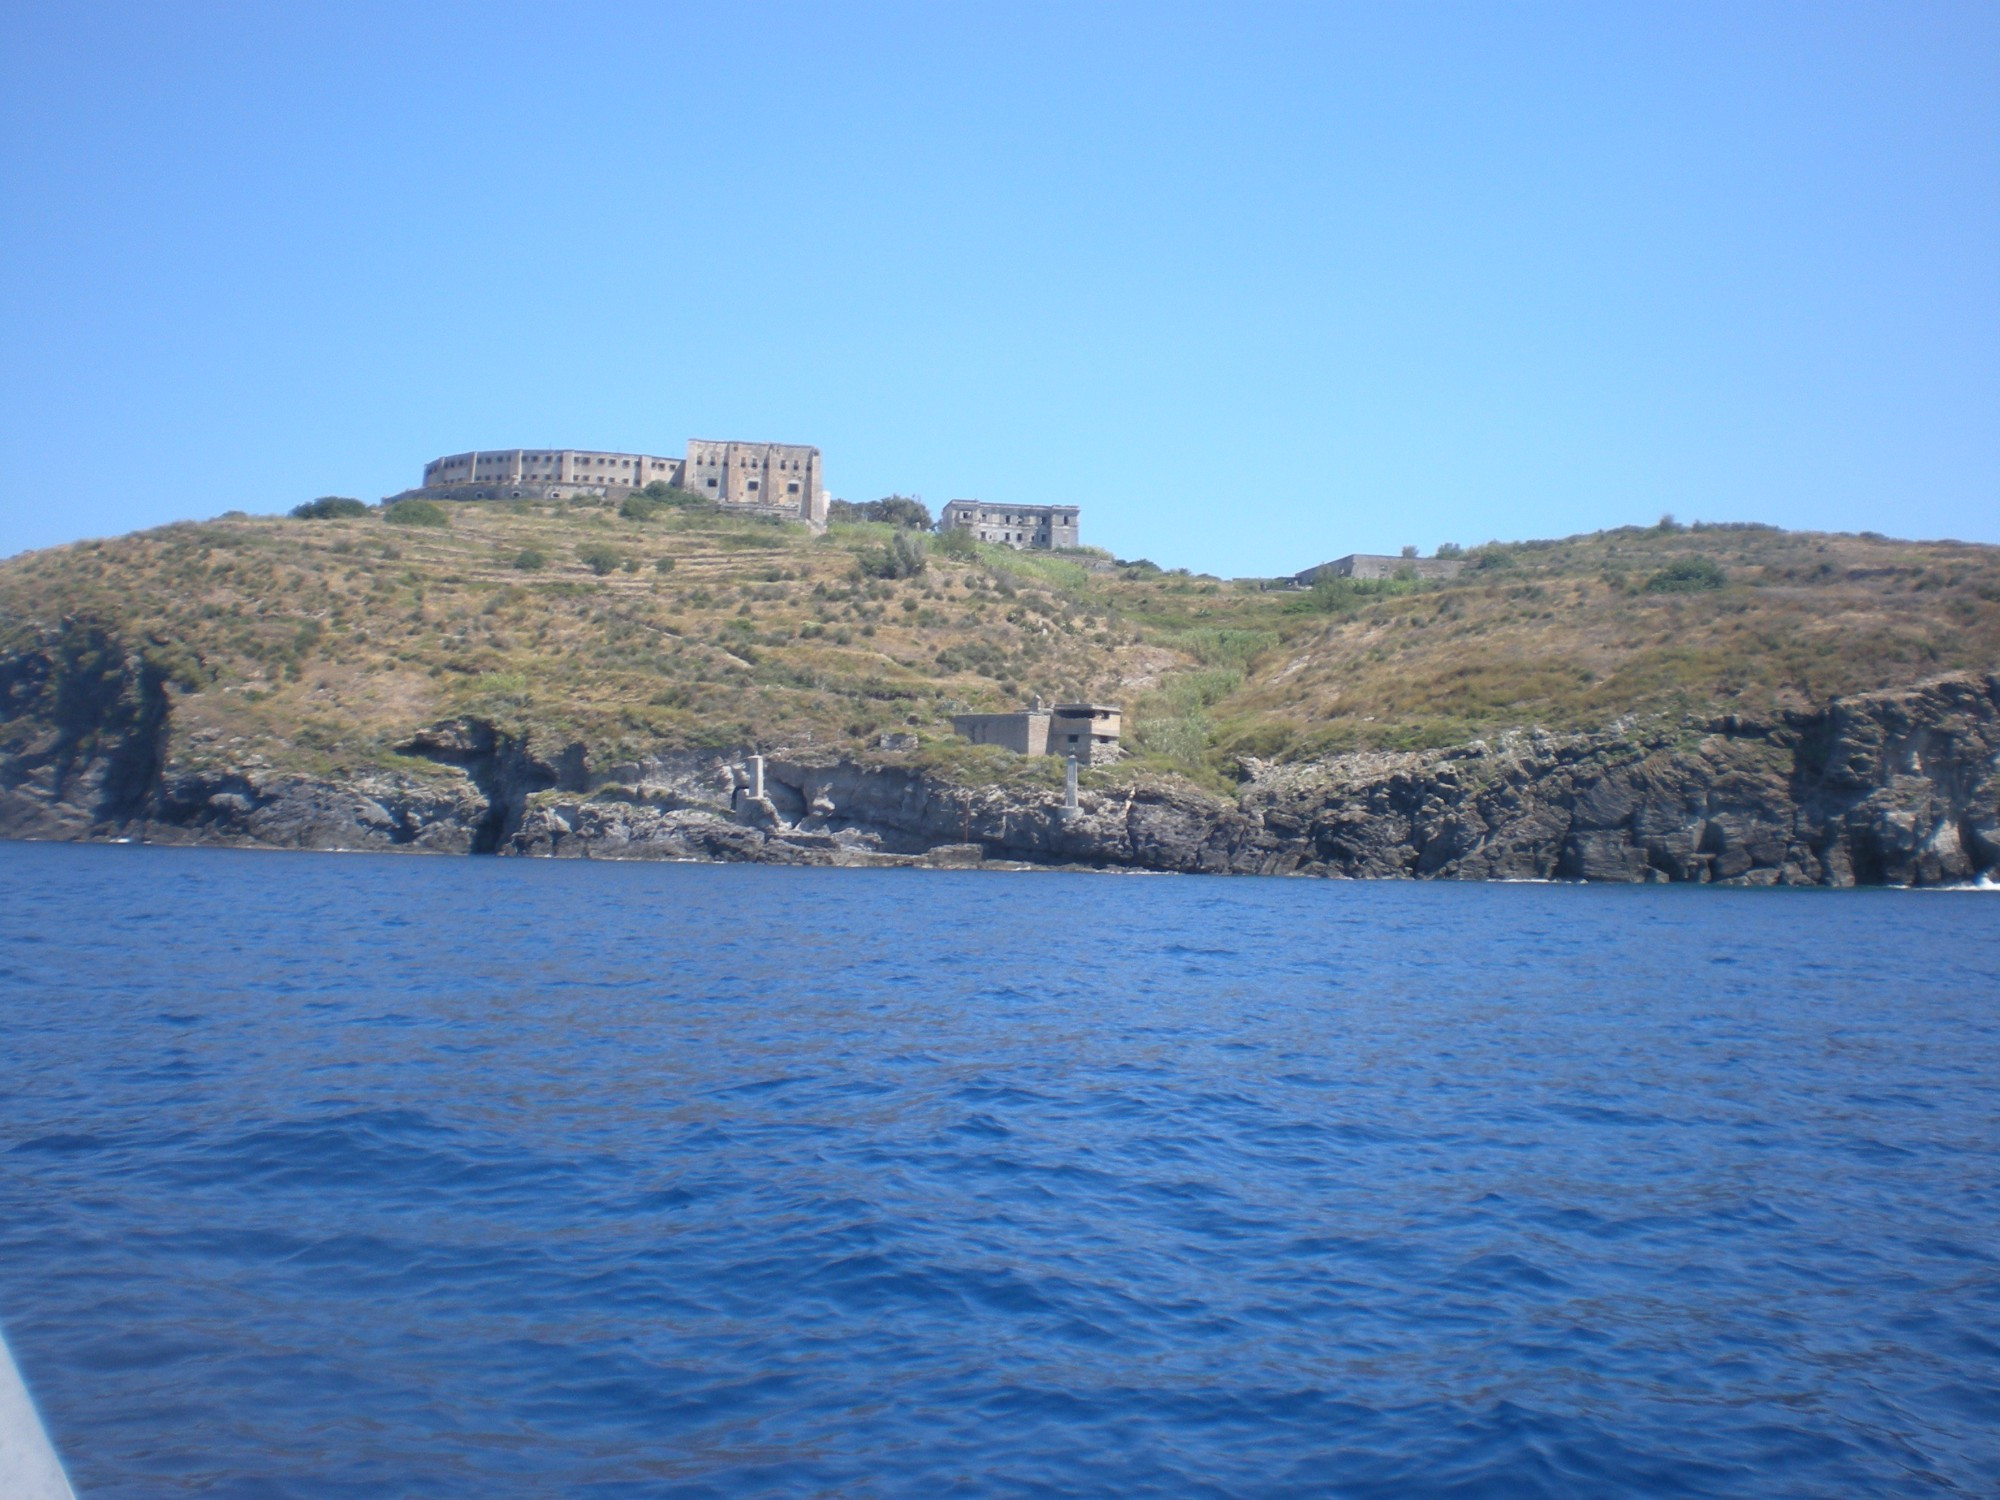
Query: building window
(792,488)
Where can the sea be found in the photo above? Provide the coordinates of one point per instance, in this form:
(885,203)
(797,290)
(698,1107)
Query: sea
(344,1175)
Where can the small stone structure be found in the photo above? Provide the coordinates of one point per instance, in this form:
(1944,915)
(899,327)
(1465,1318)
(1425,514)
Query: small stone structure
(1088,731)
(1367,566)
(773,479)
(1040,527)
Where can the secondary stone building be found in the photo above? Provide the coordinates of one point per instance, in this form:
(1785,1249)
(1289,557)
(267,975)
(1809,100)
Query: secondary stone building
(778,479)
(1368,566)
(1089,731)
(1042,527)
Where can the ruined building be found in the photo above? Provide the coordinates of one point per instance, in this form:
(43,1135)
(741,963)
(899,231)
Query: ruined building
(1042,527)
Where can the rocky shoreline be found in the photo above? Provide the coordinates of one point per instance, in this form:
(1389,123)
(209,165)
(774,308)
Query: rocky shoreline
(1892,788)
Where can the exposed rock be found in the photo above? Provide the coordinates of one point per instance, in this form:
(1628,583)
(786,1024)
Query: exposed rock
(1897,787)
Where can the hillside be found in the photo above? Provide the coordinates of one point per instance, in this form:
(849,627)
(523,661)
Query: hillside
(329,641)
(1703,703)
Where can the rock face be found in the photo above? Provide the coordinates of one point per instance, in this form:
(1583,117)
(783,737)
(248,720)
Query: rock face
(1891,788)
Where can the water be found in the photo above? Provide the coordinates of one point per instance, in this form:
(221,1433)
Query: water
(348,1176)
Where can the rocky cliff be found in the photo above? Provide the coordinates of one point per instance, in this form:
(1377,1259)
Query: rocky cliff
(1890,788)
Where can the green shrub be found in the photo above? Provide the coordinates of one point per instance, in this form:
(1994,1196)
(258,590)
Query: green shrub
(530,559)
(890,510)
(955,541)
(663,565)
(416,513)
(599,557)
(329,508)
(1687,575)
(661,493)
(640,507)
(902,558)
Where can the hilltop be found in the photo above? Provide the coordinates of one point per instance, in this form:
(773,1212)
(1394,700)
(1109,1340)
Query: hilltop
(324,647)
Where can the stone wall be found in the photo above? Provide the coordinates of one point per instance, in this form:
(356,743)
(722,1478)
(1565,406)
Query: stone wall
(1368,566)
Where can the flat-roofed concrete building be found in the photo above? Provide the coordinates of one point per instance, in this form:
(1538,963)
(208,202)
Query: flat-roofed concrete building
(1089,731)
(776,479)
(1042,527)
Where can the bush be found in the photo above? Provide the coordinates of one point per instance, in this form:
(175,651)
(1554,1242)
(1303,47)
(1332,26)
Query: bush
(1449,550)
(663,565)
(893,510)
(416,513)
(530,559)
(329,508)
(902,558)
(1687,575)
(660,493)
(955,541)
(599,558)
(639,507)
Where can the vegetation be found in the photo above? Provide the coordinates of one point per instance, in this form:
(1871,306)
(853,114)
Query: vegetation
(416,513)
(1687,575)
(315,645)
(330,508)
(600,557)
(902,557)
(892,510)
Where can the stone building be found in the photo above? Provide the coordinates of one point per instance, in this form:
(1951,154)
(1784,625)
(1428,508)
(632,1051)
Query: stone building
(1089,731)
(777,479)
(549,473)
(1041,527)
(784,475)
(1367,566)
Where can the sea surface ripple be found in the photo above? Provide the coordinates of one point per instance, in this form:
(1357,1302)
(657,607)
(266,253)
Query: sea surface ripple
(379,1176)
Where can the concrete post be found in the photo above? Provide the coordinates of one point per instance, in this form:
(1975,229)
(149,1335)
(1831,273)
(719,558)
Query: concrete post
(1069,807)
(756,776)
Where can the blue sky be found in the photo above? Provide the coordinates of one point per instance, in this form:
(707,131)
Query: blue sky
(1254,286)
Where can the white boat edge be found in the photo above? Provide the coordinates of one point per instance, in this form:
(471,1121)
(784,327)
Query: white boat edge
(29,1468)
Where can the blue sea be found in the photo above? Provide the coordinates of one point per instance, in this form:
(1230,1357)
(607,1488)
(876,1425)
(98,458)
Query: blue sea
(395,1176)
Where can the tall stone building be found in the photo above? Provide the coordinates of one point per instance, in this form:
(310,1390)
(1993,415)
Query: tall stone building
(1042,527)
(776,479)
(783,474)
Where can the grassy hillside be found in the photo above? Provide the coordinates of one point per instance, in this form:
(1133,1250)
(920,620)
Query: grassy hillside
(315,643)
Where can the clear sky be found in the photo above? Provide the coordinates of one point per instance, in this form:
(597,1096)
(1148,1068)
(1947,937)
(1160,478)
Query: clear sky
(1255,286)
